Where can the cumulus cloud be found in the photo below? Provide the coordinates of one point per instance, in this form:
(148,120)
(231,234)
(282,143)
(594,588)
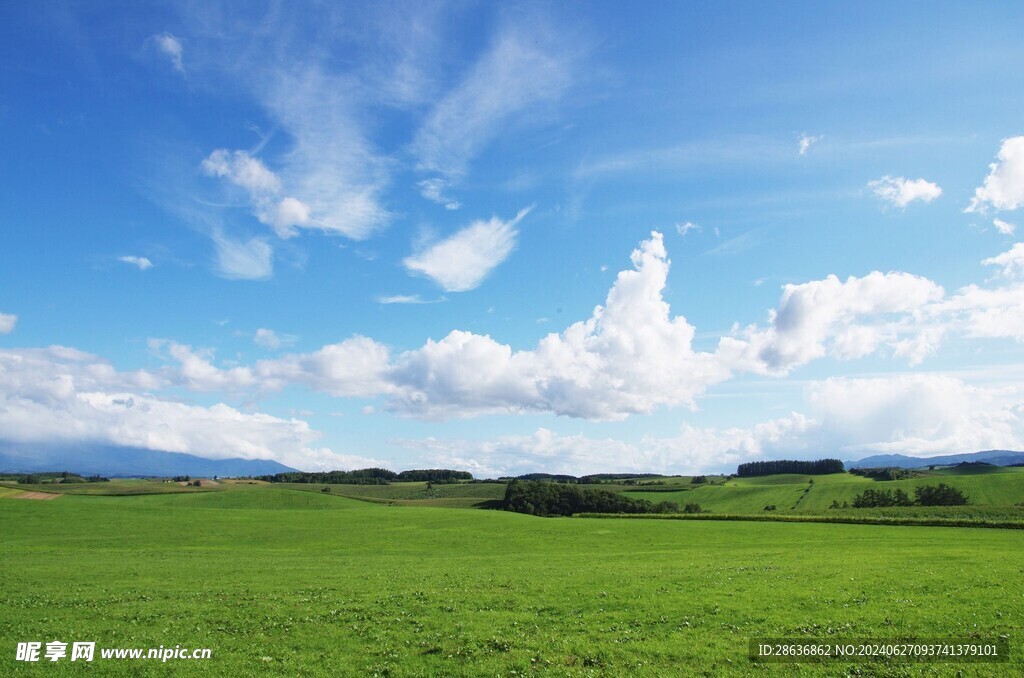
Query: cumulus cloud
(62,395)
(142,263)
(1011,262)
(805,143)
(463,261)
(355,367)
(7,322)
(916,415)
(172,48)
(632,356)
(693,450)
(901,191)
(848,320)
(1004,186)
(629,357)
(1004,227)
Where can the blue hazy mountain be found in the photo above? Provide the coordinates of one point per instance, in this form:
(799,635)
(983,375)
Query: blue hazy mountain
(995,457)
(113,461)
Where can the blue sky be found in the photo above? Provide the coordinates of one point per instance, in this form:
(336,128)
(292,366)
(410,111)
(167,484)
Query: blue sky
(351,235)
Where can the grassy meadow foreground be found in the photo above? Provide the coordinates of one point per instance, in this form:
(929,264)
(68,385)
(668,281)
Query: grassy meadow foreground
(283,581)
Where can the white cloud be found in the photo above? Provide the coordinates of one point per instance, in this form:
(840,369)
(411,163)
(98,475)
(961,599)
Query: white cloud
(7,322)
(355,367)
(632,356)
(142,263)
(172,48)
(463,261)
(916,415)
(433,189)
(845,319)
(805,143)
(252,259)
(683,229)
(901,191)
(1011,262)
(693,450)
(524,67)
(331,167)
(1004,186)
(271,339)
(263,187)
(629,357)
(59,395)
(1004,227)
(407,299)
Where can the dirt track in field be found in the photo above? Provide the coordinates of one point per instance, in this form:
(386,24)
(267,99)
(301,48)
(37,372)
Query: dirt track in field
(44,496)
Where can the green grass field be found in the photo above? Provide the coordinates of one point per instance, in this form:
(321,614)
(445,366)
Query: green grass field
(285,582)
(992,486)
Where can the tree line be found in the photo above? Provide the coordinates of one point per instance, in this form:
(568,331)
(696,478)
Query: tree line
(541,498)
(768,468)
(926,495)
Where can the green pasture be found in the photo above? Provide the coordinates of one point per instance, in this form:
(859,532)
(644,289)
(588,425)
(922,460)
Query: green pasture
(991,486)
(283,582)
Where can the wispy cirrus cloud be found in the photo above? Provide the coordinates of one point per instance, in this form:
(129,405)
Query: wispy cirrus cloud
(806,141)
(1004,227)
(526,66)
(251,259)
(462,261)
(687,227)
(270,339)
(407,299)
(171,47)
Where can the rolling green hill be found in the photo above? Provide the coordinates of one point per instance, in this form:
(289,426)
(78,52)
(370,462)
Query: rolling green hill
(987,486)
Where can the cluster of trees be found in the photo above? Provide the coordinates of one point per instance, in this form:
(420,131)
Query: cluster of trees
(767,468)
(938,495)
(369,476)
(887,473)
(541,498)
(434,475)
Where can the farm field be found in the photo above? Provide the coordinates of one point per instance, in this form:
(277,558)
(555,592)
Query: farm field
(287,582)
(985,486)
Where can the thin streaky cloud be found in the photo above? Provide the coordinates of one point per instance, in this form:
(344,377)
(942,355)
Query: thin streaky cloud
(142,263)
(525,66)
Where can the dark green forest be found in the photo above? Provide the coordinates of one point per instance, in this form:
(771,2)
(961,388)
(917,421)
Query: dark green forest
(541,498)
(767,468)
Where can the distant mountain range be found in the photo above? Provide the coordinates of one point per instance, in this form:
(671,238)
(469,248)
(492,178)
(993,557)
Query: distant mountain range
(995,457)
(111,461)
